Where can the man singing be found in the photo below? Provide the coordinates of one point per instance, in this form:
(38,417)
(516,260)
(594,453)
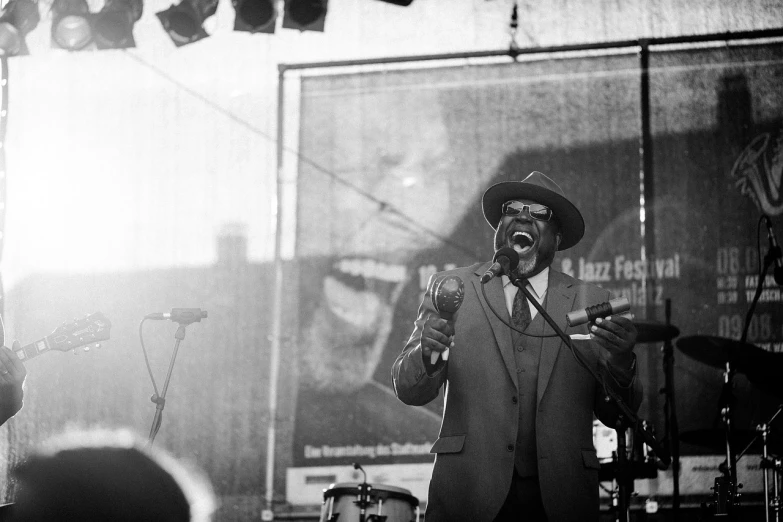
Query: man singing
(515,441)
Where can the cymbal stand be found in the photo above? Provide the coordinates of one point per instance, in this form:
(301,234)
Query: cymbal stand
(624,478)
(670,413)
(725,498)
(766,464)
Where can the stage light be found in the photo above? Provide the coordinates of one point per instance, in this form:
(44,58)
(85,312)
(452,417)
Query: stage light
(113,26)
(255,16)
(18,18)
(305,15)
(184,22)
(71,27)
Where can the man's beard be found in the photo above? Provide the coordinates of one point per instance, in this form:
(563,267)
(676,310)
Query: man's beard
(525,267)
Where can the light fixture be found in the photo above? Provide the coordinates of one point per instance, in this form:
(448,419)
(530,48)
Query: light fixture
(398,2)
(18,18)
(184,22)
(255,16)
(305,15)
(71,27)
(113,25)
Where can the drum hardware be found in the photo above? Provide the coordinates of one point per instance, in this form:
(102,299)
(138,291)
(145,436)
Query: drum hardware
(657,332)
(654,332)
(347,502)
(624,457)
(363,501)
(718,352)
(763,369)
(766,465)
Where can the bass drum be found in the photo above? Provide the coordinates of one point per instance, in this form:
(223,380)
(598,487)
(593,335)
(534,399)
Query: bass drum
(392,503)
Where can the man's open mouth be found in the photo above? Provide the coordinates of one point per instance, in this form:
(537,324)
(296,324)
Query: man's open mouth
(522,242)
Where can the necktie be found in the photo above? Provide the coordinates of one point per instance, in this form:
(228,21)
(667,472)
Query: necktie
(520,311)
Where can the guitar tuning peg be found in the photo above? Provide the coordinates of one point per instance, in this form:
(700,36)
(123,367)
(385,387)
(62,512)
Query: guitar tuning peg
(75,351)
(97,345)
(87,348)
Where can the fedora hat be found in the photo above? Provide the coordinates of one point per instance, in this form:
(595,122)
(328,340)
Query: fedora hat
(541,189)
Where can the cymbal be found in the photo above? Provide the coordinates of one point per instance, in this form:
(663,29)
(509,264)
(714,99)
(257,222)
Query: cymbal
(716,440)
(653,332)
(764,369)
(711,350)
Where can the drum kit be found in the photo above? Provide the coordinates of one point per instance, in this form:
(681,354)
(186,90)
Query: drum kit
(762,368)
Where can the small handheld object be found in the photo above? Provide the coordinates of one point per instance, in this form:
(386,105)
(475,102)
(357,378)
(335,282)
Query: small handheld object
(447,295)
(591,313)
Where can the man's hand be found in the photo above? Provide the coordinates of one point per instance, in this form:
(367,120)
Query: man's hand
(12,375)
(617,335)
(437,336)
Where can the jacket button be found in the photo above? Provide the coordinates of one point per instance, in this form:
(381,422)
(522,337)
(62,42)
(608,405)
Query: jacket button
(510,447)
(514,399)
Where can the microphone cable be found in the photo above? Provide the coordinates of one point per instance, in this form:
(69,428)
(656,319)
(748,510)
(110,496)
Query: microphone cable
(570,345)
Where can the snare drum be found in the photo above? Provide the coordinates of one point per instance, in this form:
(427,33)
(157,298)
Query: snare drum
(394,504)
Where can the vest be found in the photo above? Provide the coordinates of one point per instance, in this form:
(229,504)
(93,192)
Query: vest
(527,353)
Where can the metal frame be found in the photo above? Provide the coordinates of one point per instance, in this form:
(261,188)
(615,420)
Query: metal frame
(646,167)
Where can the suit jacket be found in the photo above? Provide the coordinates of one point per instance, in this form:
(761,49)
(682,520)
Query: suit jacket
(474,451)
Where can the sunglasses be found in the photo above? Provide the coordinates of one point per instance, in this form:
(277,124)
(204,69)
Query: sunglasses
(536,211)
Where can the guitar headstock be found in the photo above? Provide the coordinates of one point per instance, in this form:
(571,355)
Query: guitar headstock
(79,332)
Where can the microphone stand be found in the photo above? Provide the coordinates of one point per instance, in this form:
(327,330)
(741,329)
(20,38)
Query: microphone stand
(630,416)
(364,494)
(160,400)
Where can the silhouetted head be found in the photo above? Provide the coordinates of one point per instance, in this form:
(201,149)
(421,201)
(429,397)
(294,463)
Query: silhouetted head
(108,476)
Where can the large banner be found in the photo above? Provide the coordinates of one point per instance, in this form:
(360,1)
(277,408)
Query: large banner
(393,167)
(396,163)
(717,116)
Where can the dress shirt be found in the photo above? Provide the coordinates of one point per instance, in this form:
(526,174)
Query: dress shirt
(537,285)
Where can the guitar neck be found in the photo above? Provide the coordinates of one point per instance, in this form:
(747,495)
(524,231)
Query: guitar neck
(34,349)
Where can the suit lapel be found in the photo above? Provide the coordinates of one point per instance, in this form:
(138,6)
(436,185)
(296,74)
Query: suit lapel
(559,300)
(495,300)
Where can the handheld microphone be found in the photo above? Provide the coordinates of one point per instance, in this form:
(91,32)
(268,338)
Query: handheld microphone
(505,261)
(180,315)
(591,313)
(447,295)
(775,252)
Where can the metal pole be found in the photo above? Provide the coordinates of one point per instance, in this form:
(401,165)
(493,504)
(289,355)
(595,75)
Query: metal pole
(277,309)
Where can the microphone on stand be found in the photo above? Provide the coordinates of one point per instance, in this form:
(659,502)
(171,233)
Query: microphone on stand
(505,261)
(364,494)
(775,252)
(447,295)
(180,315)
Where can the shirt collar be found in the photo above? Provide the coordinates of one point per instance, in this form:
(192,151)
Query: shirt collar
(538,283)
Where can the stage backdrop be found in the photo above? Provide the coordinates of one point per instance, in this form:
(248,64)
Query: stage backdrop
(392,167)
